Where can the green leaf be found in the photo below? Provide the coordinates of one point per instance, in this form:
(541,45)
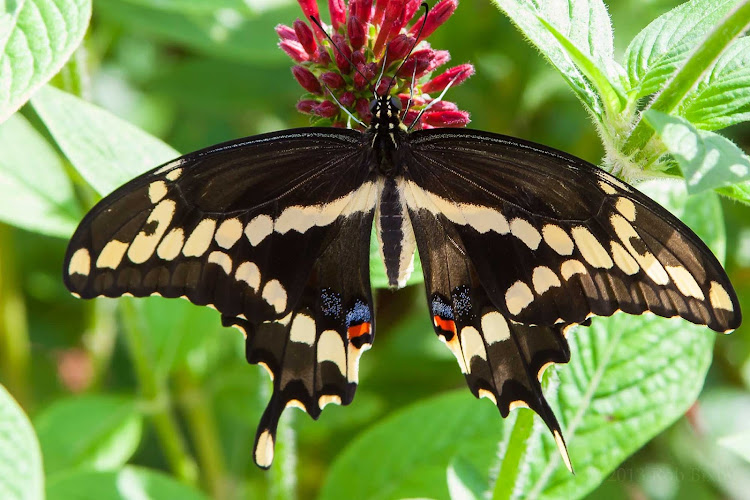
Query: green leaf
(21,474)
(105,150)
(707,160)
(228,34)
(128,483)
(585,28)
(723,97)
(97,432)
(739,443)
(35,192)
(408,454)
(465,482)
(36,39)
(739,192)
(204,7)
(664,45)
(178,329)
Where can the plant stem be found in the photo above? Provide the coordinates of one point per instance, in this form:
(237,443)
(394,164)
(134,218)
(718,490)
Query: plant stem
(14,330)
(157,397)
(688,76)
(283,477)
(202,425)
(518,444)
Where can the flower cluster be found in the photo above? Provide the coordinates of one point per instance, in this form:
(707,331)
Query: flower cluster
(373,37)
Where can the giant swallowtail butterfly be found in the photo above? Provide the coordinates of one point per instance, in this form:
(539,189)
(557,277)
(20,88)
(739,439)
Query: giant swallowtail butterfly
(517,241)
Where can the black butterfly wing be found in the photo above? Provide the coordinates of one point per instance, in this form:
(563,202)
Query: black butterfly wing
(555,239)
(518,242)
(273,231)
(502,360)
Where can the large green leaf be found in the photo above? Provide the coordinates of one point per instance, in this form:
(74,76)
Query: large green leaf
(21,474)
(227,34)
(723,97)
(628,379)
(663,46)
(707,160)
(129,483)
(409,454)
(106,150)
(36,38)
(35,192)
(577,39)
(96,432)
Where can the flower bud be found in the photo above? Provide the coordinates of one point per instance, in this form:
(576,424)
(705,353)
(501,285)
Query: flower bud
(347,99)
(332,80)
(310,8)
(327,109)
(417,63)
(358,58)
(305,36)
(342,54)
(410,8)
(322,56)
(307,106)
(437,16)
(456,74)
(399,47)
(446,118)
(361,9)
(294,50)
(439,57)
(338,13)
(285,32)
(307,80)
(363,109)
(356,31)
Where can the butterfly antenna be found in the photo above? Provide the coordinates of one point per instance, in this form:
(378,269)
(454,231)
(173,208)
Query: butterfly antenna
(336,47)
(435,101)
(349,113)
(416,41)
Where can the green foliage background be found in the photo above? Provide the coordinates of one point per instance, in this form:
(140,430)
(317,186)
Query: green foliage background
(153,397)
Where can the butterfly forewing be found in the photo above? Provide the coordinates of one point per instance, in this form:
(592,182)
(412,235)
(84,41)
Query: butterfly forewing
(272,231)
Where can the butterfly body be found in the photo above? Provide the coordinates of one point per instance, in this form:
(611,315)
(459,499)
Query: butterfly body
(517,242)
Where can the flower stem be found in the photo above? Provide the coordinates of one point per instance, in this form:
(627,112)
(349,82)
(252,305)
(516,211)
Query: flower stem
(202,426)
(518,444)
(283,476)
(688,76)
(14,330)
(156,396)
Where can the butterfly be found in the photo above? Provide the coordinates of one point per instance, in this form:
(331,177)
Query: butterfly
(518,242)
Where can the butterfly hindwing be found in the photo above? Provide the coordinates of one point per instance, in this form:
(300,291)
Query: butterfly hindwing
(273,232)
(555,239)
(502,360)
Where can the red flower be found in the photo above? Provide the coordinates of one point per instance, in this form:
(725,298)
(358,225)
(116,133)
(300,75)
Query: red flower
(370,37)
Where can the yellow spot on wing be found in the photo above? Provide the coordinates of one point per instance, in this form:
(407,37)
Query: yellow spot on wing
(112,254)
(572,267)
(80,263)
(591,249)
(525,232)
(495,327)
(200,239)
(249,273)
(558,239)
(170,246)
(719,297)
(543,279)
(518,297)
(222,259)
(264,449)
(275,294)
(229,233)
(685,282)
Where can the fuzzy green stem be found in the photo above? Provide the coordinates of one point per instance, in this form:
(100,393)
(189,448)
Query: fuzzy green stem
(156,396)
(283,476)
(202,426)
(14,330)
(688,76)
(517,446)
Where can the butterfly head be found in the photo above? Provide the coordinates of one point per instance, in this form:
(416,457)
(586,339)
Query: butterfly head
(386,111)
